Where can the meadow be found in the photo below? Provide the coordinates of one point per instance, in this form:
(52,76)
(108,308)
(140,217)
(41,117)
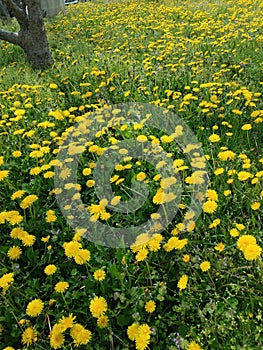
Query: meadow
(191,283)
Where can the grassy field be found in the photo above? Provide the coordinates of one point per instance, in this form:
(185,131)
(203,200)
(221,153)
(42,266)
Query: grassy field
(192,283)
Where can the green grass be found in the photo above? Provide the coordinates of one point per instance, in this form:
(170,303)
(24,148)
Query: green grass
(201,60)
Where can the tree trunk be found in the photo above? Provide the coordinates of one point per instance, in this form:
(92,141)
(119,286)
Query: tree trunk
(4,13)
(33,38)
(32,35)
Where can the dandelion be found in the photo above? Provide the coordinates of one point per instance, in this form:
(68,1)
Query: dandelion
(71,248)
(17,194)
(66,322)
(86,171)
(99,275)
(28,240)
(226,155)
(234,232)
(98,306)
(227,193)
(240,227)
(29,336)
(243,175)
(141,176)
(53,86)
(28,201)
(61,287)
(159,197)
(35,307)
(252,251)
(115,200)
(142,338)
(3,174)
(205,266)
(255,206)
(246,240)
(214,138)
(6,281)
(102,321)
(220,247)
(142,138)
(90,183)
(80,335)
(16,154)
(50,216)
(141,255)
(210,206)
(56,337)
(246,127)
(50,269)
(219,171)
(132,331)
(212,195)
(193,346)
(186,258)
(215,223)
(167,182)
(150,306)
(182,283)
(14,253)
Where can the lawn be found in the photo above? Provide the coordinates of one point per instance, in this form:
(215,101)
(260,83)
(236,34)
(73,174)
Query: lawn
(131,180)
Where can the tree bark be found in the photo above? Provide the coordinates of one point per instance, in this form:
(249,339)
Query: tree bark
(32,36)
(4,13)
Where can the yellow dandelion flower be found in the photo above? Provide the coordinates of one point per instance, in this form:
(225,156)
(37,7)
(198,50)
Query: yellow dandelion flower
(132,331)
(98,306)
(246,240)
(142,138)
(82,256)
(99,275)
(3,174)
(14,253)
(142,254)
(102,321)
(210,206)
(205,266)
(56,337)
(214,138)
(193,346)
(16,154)
(71,248)
(182,283)
(66,322)
(141,176)
(61,287)
(186,258)
(50,269)
(34,307)
(29,336)
(150,306)
(215,223)
(28,201)
(220,247)
(246,127)
(255,206)
(219,171)
(212,195)
(244,175)
(252,251)
(234,232)
(80,335)
(28,240)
